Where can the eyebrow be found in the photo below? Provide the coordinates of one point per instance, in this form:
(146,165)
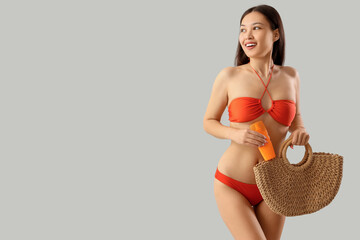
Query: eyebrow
(253,23)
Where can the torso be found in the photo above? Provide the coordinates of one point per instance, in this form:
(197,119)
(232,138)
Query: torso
(238,160)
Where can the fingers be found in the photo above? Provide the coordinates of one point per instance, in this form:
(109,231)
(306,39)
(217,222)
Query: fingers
(255,138)
(254,143)
(300,137)
(255,135)
(307,137)
(250,138)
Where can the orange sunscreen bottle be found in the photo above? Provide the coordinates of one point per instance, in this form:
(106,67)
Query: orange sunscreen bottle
(267,151)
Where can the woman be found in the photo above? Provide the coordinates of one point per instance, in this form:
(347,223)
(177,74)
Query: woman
(257,88)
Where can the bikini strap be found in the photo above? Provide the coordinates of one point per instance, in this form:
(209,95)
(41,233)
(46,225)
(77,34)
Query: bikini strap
(266,90)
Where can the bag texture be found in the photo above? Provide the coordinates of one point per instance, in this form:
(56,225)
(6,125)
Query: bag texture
(301,188)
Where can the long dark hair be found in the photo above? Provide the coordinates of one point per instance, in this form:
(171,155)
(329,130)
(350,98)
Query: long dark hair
(273,17)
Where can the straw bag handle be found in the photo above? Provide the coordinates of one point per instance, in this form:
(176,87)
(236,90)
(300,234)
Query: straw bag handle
(304,163)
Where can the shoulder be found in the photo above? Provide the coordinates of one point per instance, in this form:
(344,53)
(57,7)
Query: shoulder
(231,73)
(224,76)
(226,72)
(292,73)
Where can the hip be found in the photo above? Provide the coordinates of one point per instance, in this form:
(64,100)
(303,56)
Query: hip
(238,161)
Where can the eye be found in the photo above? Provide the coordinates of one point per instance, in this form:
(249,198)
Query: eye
(241,30)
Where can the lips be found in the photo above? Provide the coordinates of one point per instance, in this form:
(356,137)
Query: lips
(251,46)
(249,43)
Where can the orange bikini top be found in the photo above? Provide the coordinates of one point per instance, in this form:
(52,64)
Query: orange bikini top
(245,109)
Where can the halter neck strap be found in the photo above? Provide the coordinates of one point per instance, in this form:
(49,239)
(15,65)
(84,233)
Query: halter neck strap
(272,68)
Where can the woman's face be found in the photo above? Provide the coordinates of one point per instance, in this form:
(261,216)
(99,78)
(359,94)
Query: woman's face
(255,28)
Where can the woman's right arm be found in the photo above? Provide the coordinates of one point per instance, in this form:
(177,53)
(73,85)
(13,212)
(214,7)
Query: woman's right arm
(216,106)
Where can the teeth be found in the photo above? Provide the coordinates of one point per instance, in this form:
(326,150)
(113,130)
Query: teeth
(250,44)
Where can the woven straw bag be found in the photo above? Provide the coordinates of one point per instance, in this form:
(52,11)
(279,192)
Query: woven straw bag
(302,188)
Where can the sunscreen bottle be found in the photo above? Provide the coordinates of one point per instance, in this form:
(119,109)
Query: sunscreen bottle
(267,151)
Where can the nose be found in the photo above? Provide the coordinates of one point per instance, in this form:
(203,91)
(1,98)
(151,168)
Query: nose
(249,35)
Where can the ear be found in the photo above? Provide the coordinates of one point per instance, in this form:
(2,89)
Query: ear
(276,35)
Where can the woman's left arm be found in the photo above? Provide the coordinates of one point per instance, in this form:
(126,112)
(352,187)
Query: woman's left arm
(297,129)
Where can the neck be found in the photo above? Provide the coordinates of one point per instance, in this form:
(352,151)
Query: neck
(262,65)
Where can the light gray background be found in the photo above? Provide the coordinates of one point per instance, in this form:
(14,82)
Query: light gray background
(102,104)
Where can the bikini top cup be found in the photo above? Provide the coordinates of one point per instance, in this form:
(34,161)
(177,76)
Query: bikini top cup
(245,109)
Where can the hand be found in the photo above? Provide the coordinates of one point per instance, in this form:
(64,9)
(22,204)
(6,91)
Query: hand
(248,137)
(299,137)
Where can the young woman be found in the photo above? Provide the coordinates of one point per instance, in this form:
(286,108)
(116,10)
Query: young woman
(259,87)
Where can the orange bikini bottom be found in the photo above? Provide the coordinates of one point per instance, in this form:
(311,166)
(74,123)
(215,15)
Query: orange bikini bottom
(249,191)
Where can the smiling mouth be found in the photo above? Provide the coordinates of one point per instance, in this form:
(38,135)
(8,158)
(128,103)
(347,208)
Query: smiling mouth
(250,46)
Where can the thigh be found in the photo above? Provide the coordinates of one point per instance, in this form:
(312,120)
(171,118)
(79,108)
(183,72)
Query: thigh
(237,213)
(271,223)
